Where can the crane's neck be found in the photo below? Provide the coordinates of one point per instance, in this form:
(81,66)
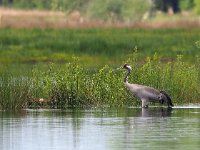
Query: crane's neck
(126,77)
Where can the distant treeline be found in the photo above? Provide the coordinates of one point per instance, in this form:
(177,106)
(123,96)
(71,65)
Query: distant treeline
(107,9)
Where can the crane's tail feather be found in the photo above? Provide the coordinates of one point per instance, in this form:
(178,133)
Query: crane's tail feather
(169,100)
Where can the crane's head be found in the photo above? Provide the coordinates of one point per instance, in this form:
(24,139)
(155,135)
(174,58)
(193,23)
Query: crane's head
(128,67)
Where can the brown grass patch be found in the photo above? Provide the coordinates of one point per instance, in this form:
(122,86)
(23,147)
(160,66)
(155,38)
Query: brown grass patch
(57,19)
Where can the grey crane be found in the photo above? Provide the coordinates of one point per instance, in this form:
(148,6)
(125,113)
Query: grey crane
(146,94)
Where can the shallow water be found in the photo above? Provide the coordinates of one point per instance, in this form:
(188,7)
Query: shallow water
(106,129)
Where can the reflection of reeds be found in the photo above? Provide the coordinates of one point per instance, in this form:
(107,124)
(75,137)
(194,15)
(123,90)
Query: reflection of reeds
(74,86)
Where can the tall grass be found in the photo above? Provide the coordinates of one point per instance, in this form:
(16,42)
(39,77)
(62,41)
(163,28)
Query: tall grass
(72,85)
(14,93)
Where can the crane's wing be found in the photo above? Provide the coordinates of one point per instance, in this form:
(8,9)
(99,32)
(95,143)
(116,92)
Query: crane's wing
(148,93)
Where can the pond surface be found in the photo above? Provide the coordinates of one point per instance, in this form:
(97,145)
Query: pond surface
(107,129)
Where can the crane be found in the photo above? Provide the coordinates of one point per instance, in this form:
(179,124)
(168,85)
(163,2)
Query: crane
(145,93)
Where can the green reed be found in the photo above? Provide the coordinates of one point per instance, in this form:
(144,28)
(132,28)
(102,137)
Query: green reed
(14,93)
(72,85)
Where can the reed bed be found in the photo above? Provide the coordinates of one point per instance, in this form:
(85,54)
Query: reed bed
(74,86)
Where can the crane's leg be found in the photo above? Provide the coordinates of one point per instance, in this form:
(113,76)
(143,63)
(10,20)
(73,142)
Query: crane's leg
(145,103)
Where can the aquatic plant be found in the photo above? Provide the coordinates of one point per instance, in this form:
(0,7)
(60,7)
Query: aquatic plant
(14,92)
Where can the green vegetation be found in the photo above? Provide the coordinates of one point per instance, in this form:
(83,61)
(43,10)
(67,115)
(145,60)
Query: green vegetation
(95,46)
(187,4)
(112,10)
(125,10)
(106,10)
(71,85)
(167,59)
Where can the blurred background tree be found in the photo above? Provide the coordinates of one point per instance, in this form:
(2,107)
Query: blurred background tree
(167,4)
(187,4)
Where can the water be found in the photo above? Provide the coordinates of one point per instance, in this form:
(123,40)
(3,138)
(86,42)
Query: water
(107,129)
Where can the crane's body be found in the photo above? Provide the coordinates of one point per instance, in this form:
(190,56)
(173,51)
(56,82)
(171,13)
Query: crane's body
(146,94)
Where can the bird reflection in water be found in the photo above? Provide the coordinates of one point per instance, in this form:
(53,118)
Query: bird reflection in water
(155,112)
